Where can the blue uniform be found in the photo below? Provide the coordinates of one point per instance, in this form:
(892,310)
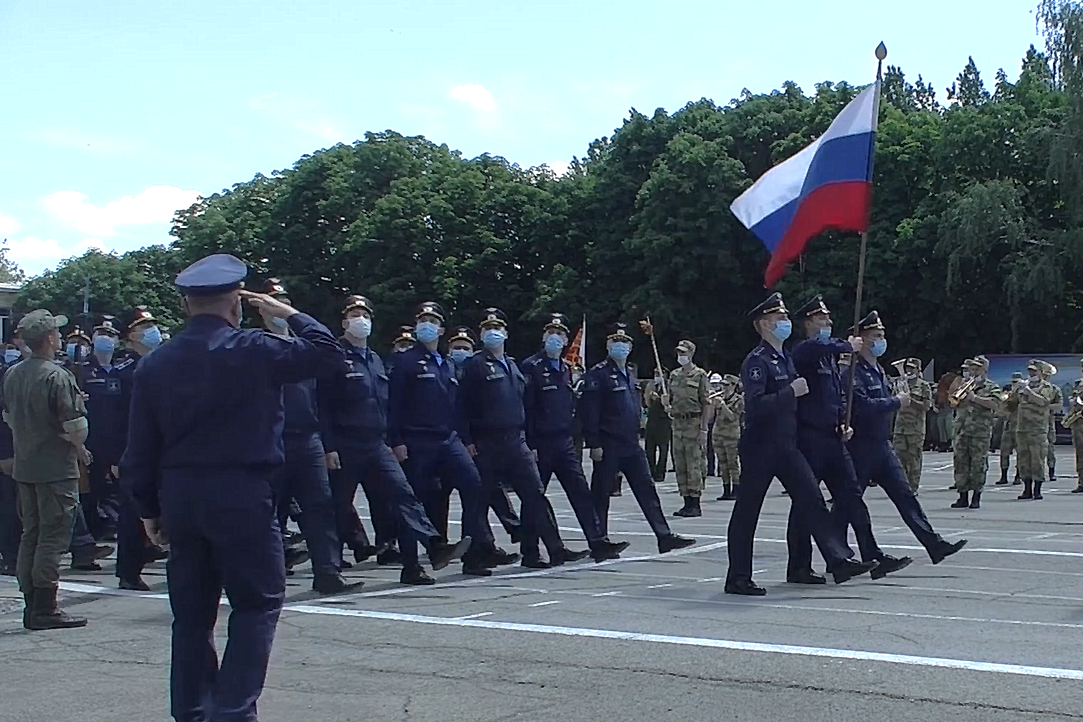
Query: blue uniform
(549,402)
(494,421)
(304,478)
(610,409)
(353,419)
(107,417)
(820,417)
(768,449)
(874,457)
(11,529)
(423,416)
(204,440)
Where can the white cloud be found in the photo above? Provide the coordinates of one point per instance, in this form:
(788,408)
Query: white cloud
(474,95)
(32,253)
(560,167)
(8,225)
(154,205)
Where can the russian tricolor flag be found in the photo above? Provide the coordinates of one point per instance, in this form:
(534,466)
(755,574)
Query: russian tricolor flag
(828,185)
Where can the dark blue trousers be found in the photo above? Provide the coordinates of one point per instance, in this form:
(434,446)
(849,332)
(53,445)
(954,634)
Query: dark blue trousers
(435,467)
(506,457)
(762,460)
(631,460)
(498,500)
(101,505)
(830,462)
(876,462)
(396,511)
(304,478)
(11,529)
(223,534)
(131,540)
(557,455)
(81,537)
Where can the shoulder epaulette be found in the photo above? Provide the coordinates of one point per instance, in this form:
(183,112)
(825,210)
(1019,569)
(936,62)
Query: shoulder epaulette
(599,365)
(125,363)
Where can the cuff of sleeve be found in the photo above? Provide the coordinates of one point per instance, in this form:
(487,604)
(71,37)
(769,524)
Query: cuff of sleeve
(70,427)
(298,321)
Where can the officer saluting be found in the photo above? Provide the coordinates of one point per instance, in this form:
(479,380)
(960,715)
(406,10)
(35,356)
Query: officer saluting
(768,449)
(610,408)
(204,439)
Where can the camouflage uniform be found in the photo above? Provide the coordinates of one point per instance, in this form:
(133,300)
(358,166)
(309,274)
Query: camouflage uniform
(1054,409)
(688,399)
(729,413)
(1035,398)
(1009,410)
(909,436)
(973,432)
(1077,436)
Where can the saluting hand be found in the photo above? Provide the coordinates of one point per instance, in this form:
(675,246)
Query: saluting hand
(268,305)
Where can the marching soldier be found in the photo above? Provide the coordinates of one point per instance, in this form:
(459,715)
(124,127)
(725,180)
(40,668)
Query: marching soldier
(550,402)
(973,433)
(689,406)
(769,449)
(729,413)
(874,458)
(910,421)
(656,436)
(1048,371)
(610,407)
(1009,410)
(1073,425)
(1034,399)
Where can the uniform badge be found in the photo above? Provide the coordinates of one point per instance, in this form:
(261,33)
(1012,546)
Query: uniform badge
(754,373)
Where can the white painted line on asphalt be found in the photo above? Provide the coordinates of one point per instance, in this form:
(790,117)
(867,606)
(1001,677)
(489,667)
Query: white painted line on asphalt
(546,604)
(945,467)
(479,615)
(710,579)
(659,586)
(606,594)
(786,649)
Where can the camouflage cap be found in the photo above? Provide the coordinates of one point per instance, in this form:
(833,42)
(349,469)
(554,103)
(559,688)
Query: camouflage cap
(687,347)
(38,324)
(977,362)
(731,379)
(1017,375)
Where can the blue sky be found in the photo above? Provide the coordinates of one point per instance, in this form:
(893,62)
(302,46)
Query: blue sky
(116,113)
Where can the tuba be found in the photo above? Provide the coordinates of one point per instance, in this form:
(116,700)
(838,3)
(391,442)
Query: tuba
(1075,412)
(959,395)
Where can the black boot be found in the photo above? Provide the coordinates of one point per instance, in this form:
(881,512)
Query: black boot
(687,509)
(28,600)
(415,576)
(46,615)
(1052,474)
(1037,490)
(328,584)
(975,503)
(1003,477)
(1028,492)
(726,491)
(963,502)
(1016,481)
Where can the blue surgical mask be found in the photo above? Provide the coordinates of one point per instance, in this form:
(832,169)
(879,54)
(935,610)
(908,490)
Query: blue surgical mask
(554,344)
(104,345)
(152,337)
(359,327)
(71,349)
(878,347)
(11,355)
(782,330)
(279,325)
(493,338)
(620,350)
(824,333)
(459,355)
(427,331)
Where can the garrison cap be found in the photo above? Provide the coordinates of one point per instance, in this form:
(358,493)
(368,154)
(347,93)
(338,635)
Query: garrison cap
(78,335)
(982,363)
(619,332)
(108,325)
(773,304)
(138,315)
(1033,364)
(212,276)
(273,287)
(687,347)
(493,317)
(1017,375)
(430,308)
(406,333)
(36,325)
(557,322)
(462,333)
(355,302)
(731,379)
(871,322)
(912,364)
(812,307)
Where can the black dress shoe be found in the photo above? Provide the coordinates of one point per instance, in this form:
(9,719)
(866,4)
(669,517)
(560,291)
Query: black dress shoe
(474,570)
(850,569)
(532,563)
(85,565)
(567,555)
(441,553)
(389,557)
(805,576)
(945,549)
(888,564)
(364,552)
(135,584)
(497,557)
(327,584)
(295,557)
(416,576)
(745,587)
(672,542)
(605,550)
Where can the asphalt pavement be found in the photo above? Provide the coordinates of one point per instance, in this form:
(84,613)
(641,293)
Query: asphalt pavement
(993,633)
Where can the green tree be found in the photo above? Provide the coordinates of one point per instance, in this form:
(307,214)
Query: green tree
(9,270)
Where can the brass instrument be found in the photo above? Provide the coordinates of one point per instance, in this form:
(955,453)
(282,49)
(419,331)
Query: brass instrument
(1074,414)
(958,396)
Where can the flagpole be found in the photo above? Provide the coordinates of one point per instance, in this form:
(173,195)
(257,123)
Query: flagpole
(881,54)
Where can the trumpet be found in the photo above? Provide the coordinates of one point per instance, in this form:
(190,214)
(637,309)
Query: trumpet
(1075,414)
(959,395)
(728,393)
